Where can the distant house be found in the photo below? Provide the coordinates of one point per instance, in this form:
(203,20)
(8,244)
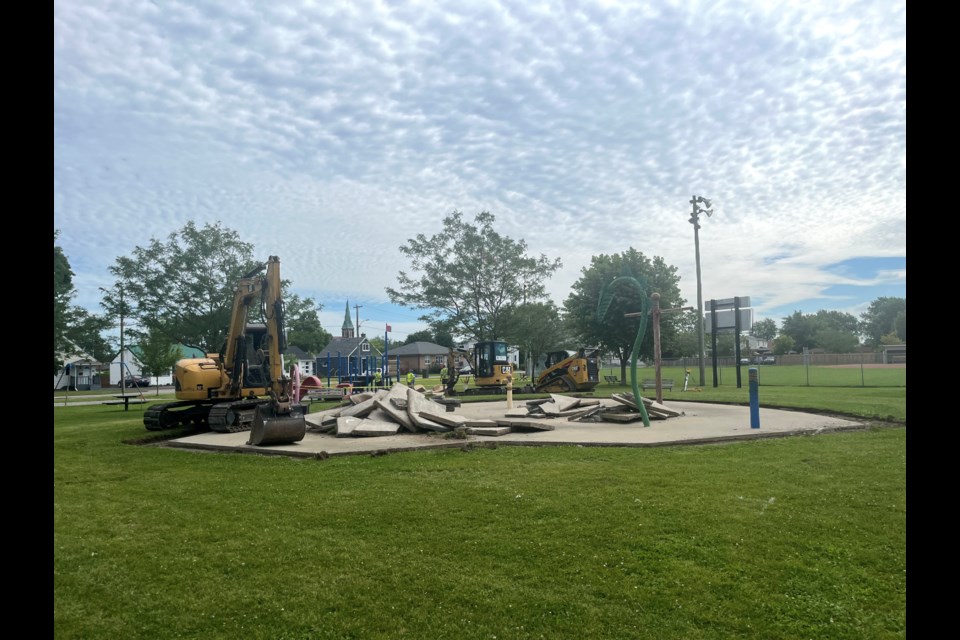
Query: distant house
(347,356)
(306,362)
(80,372)
(419,357)
(132,357)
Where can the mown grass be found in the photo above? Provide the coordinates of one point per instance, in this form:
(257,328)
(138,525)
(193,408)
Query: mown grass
(801,537)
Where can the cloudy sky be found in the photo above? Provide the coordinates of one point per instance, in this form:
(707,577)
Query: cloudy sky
(329,133)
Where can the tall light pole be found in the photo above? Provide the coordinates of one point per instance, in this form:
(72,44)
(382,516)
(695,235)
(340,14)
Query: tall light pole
(695,221)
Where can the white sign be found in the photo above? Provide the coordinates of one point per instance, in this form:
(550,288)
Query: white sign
(727,320)
(728,303)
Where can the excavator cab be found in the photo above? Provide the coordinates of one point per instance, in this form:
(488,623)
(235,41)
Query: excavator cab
(493,365)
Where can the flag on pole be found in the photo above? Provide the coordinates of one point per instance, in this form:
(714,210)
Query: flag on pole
(389,329)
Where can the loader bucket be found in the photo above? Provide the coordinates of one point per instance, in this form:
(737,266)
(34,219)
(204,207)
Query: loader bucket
(271,427)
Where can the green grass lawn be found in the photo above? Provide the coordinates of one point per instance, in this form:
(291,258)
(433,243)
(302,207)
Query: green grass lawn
(801,537)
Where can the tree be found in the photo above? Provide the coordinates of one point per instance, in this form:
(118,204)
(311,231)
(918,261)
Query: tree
(881,318)
(469,276)
(75,330)
(184,287)
(765,329)
(890,338)
(157,354)
(836,341)
(303,323)
(424,335)
(536,327)
(783,344)
(805,329)
(901,325)
(614,333)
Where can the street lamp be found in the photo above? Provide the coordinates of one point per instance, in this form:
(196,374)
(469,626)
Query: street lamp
(695,221)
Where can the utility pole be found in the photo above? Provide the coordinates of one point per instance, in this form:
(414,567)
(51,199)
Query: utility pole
(358,307)
(656,312)
(695,221)
(120,310)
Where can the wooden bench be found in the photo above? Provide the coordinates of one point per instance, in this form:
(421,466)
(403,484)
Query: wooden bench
(612,379)
(665,383)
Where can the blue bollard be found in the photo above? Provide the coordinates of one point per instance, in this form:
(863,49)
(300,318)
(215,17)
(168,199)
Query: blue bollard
(754,398)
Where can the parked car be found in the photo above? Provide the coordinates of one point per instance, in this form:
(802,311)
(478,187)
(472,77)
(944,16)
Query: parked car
(135,381)
(767,360)
(744,360)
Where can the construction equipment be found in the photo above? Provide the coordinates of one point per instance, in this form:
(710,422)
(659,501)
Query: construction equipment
(243,387)
(568,371)
(491,367)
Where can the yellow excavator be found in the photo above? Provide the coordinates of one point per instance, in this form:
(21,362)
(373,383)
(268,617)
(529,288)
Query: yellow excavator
(566,371)
(244,386)
(488,363)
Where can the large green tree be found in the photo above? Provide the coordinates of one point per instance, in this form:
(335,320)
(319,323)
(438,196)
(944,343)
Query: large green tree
(615,333)
(467,277)
(75,330)
(765,329)
(157,353)
(183,287)
(882,317)
(303,323)
(824,329)
(537,328)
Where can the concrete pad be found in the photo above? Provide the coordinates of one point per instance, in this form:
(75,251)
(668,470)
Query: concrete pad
(700,423)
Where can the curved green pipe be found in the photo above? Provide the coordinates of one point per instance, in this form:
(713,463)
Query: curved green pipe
(603,306)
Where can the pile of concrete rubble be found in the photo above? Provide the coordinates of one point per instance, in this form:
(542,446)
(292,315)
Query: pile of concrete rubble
(402,409)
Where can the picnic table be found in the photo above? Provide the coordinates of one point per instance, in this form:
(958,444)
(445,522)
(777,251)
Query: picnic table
(126,400)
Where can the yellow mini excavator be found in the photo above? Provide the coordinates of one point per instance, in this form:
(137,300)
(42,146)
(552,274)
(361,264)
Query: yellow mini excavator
(244,386)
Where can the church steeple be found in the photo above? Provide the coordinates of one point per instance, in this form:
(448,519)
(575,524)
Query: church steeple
(346,331)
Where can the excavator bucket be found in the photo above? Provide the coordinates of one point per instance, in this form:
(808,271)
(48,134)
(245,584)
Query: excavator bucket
(271,426)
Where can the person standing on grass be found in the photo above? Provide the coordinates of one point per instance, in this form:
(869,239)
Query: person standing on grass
(377,378)
(443,375)
(410,378)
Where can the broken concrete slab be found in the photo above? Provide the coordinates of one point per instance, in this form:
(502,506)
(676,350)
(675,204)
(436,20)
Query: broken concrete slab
(563,402)
(361,409)
(440,416)
(397,392)
(369,428)
(417,402)
(346,425)
(524,425)
(517,412)
(480,423)
(488,431)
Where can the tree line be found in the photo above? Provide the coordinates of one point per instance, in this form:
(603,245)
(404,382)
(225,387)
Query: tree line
(470,282)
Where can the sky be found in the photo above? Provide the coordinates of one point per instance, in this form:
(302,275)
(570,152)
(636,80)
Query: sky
(330,133)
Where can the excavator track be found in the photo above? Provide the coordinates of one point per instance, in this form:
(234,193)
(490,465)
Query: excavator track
(159,417)
(235,416)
